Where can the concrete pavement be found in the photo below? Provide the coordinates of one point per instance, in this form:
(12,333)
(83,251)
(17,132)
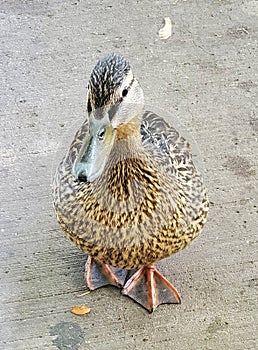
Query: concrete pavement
(206,76)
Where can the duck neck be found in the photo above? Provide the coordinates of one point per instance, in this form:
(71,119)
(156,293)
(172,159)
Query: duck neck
(129,130)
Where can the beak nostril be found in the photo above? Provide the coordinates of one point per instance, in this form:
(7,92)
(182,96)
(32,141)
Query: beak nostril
(82,177)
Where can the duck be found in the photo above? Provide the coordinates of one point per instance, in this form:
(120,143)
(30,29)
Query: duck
(127,192)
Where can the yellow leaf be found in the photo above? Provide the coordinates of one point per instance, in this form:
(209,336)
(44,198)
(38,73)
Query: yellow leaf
(80,310)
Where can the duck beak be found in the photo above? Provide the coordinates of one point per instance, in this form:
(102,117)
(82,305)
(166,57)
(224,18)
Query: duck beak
(95,150)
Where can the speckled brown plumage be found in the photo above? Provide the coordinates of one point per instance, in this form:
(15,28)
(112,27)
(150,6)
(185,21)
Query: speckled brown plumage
(148,204)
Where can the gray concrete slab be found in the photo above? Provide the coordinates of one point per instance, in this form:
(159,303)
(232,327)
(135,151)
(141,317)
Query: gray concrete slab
(206,76)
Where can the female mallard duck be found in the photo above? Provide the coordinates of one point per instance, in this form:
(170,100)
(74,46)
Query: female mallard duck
(127,193)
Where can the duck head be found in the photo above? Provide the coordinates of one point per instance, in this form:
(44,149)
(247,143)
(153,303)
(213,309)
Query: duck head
(115,106)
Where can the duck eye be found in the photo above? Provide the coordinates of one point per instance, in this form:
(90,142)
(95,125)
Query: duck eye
(101,134)
(124,92)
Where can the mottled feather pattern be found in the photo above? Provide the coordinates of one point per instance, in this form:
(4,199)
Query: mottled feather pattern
(106,77)
(143,208)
